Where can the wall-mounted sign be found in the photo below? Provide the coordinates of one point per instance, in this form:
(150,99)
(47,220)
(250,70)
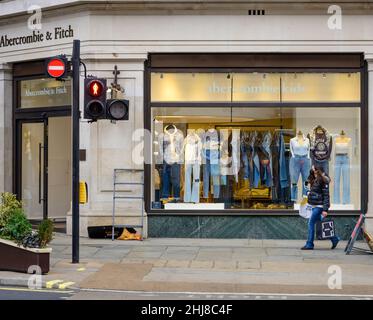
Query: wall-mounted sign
(255,87)
(39,93)
(57,33)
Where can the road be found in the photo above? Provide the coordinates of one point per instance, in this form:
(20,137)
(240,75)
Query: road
(45,294)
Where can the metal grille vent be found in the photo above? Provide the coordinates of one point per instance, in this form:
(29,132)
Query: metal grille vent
(256,12)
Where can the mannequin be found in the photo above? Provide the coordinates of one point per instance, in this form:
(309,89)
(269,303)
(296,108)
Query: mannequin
(170,146)
(211,168)
(321,147)
(342,168)
(300,163)
(193,157)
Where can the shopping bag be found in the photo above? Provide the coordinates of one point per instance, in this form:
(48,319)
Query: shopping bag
(305,209)
(325,229)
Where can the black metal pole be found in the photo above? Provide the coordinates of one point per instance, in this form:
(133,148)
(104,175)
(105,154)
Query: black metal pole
(75,112)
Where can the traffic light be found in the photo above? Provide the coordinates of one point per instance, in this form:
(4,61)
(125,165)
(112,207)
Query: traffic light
(117,109)
(95,98)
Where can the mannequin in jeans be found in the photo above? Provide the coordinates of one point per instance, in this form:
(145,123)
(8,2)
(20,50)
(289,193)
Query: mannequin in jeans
(342,168)
(300,163)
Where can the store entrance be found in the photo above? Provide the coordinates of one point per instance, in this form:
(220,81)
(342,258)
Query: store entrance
(44,166)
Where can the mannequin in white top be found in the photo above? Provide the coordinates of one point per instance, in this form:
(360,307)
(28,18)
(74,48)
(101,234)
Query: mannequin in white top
(300,163)
(343,153)
(300,145)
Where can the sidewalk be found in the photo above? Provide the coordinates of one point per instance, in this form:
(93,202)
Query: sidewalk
(202,265)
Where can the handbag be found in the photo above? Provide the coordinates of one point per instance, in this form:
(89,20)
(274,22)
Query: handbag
(325,229)
(305,209)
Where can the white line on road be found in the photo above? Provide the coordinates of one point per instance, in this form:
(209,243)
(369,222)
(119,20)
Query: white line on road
(256,294)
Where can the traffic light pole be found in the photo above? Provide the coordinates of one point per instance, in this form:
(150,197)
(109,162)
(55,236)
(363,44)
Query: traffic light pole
(75,113)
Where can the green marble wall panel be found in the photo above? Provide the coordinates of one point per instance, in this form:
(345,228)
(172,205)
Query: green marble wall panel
(238,227)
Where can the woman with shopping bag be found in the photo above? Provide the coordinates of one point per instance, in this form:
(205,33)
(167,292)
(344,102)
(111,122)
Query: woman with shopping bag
(319,198)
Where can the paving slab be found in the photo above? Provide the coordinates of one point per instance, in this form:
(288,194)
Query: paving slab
(144,254)
(178,263)
(202,264)
(230,265)
(244,265)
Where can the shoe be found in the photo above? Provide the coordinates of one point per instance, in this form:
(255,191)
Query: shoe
(306,248)
(335,244)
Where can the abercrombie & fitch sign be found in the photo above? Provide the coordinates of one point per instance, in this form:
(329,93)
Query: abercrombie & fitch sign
(57,33)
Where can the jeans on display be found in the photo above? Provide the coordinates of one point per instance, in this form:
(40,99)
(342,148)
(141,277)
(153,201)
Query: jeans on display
(323,164)
(267,174)
(245,161)
(342,167)
(191,183)
(170,177)
(211,168)
(299,165)
(283,165)
(267,168)
(255,177)
(315,217)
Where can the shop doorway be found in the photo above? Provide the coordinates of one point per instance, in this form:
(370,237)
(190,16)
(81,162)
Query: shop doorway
(44,166)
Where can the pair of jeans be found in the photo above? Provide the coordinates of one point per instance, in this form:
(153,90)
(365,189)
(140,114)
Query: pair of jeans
(171,178)
(324,164)
(245,161)
(342,168)
(315,217)
(283,164)
(255,177)
(298,165)
(213,170)
(191,183)
(267,174)
(267,168)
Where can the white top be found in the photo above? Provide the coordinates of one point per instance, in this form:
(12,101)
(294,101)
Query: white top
(342,147)
(300,147)
(192,148)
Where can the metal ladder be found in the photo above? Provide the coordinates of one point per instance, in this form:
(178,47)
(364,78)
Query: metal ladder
(115,196)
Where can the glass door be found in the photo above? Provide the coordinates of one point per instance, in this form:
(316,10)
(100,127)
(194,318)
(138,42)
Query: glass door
(34,164)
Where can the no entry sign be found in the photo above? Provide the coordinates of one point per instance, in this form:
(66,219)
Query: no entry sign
(56,67)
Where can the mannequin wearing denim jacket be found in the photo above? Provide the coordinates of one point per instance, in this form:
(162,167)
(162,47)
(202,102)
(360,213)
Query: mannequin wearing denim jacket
(300,163)
(193,159)
(170,147)
(210,153)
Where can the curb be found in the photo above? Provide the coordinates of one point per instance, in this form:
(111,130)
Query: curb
(24,283)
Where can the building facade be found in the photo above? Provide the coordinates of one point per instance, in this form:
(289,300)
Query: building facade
(237,102)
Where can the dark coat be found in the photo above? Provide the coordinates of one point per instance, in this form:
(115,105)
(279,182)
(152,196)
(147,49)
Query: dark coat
(319,193)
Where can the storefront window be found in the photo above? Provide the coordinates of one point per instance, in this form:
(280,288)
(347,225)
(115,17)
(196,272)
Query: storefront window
(257,157)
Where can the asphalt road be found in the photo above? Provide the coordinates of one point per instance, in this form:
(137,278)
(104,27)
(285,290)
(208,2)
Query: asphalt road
(26,294)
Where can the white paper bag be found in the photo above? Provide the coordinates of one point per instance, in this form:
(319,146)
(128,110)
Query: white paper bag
(305,210)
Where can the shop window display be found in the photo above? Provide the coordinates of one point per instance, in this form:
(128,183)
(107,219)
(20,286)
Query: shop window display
(254,158)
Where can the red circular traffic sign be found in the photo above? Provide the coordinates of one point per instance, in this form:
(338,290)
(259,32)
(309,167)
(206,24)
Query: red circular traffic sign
(56,67)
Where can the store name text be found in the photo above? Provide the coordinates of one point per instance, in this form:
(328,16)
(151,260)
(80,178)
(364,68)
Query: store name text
(58,33)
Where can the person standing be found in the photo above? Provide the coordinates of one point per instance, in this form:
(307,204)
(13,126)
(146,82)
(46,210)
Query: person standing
(319,198)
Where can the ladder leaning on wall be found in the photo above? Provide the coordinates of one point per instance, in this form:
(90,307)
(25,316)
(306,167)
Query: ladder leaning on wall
(118,182)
